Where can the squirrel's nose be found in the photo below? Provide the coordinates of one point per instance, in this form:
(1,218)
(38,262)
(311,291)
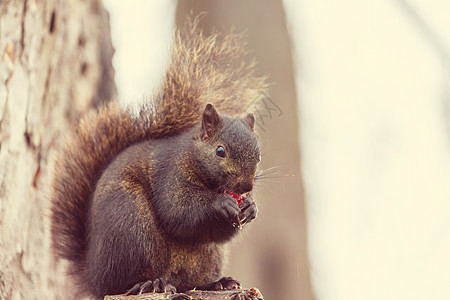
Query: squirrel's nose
(244,187)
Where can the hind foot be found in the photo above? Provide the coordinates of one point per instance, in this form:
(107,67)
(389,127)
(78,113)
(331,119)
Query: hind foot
(156,286)
(225,283)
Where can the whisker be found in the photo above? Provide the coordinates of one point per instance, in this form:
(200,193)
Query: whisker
(269,173)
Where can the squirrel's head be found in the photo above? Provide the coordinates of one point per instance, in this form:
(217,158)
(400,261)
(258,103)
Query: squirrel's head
(227,152)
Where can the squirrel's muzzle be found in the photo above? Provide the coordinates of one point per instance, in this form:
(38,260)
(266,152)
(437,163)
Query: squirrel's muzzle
(243,187)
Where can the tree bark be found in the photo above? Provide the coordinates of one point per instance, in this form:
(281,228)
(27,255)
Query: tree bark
(55,65)
(252,293)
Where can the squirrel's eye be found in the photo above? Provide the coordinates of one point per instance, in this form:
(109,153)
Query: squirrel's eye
(220,151)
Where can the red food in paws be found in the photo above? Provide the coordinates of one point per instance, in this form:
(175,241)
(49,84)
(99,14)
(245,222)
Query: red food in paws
(237,197)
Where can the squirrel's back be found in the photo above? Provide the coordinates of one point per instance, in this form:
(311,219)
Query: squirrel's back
(213,69)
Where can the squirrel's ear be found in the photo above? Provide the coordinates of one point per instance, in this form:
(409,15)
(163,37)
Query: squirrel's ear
(250,120)
(210,121)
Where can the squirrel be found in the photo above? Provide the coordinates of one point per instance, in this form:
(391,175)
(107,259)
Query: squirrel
(143,201)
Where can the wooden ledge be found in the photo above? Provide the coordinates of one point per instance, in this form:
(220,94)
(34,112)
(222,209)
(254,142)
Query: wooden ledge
(252,293)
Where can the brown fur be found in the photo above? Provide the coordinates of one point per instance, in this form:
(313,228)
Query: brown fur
(202,70)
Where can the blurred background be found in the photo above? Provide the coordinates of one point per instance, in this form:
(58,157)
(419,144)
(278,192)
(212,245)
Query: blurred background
(358,130)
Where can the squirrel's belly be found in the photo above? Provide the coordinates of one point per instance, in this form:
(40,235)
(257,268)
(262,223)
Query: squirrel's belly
(193,266)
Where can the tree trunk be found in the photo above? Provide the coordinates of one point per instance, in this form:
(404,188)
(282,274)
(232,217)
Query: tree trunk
(55,64)
(273,255)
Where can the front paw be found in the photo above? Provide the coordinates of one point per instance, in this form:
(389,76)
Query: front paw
(249,210)
(228,209)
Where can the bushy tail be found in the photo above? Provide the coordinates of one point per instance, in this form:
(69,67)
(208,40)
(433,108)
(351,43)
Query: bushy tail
(212,69)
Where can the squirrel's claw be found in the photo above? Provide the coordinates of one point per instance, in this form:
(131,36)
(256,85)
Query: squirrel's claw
(249,210)
(134,290)
(157,286)
(225,283)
